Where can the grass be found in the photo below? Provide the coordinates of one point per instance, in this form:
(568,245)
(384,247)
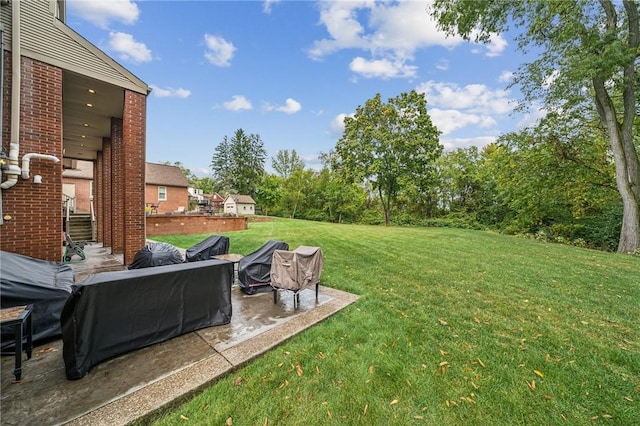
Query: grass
(452,327)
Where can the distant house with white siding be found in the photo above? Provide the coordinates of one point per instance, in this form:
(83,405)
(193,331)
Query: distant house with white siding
(239,204)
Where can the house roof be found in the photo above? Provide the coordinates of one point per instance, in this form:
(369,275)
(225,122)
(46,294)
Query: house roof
(240,199)
(216,197)
(82,170)
(165,175)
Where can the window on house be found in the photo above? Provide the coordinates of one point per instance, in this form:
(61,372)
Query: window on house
(162,193)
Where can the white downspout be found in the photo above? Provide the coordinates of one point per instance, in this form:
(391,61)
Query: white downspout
(14,146)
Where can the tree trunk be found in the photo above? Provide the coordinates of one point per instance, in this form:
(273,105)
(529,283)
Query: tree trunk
(627,169)
(385,207)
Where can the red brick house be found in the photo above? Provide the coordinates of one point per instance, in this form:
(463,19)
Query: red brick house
(63,99)
(166,189)
(217,202)
(77,186)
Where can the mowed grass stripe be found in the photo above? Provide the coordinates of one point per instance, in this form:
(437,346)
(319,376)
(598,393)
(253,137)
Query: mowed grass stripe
(452,327)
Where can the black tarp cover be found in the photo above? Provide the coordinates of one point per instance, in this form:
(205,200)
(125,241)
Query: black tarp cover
(117,312)
(156,254)
(47,285)
(206,249)
(254,270)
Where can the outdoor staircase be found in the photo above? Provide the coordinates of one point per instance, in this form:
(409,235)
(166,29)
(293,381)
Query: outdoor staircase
(79,227)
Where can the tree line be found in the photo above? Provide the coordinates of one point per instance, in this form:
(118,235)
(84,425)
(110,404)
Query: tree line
(574,177)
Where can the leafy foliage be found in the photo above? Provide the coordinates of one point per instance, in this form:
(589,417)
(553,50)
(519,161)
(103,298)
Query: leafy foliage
(238,163)
(388,145)
(287,163)
(584,44)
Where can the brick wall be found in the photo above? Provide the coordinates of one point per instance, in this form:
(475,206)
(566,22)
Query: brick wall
(134,125)
(106,194)
(33,212)
(176,197)
(98,188)
(117,187)
(193,224)
(82,193)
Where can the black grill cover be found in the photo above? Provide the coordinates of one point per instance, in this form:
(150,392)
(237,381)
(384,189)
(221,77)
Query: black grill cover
(117,312)
(156,254)
(206,249)
(254,270)
(47,285)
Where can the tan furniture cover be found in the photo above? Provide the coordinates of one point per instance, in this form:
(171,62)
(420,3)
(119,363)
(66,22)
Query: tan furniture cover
(298,269)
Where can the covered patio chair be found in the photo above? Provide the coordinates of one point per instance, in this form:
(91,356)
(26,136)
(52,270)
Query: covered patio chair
(295,271)
(254,270)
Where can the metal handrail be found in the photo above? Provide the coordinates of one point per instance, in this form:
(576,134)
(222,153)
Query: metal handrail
(94,224)
(67,208)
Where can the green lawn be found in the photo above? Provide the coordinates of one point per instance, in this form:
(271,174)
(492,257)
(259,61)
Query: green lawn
(453,327)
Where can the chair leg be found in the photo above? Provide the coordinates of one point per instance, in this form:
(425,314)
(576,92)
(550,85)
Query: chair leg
(275,295)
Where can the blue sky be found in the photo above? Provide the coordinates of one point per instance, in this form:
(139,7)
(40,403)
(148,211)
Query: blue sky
(291,70)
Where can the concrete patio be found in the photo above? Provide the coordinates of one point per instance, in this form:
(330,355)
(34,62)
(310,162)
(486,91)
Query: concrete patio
(137,384)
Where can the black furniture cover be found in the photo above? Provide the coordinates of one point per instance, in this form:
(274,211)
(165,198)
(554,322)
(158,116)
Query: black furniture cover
(156,254)
(112,313)
(47,285)
(206,249)
(254,270)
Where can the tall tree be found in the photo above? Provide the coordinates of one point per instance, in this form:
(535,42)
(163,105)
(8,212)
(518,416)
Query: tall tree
(238,162)
(286,163)
(388,144)
(268,194)
(222,165)
(584,43)
(459,185)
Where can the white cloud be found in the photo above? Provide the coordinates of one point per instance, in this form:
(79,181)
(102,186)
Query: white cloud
(454,143)
(442,65)
(448,120)
(475,98)
(381,68)
(128,49)
(551,79)
(337,124)
(101,13)
(266,6)
(505,77)
(291,106)
(531,118)
(170,92)
(397,28)
(219,51)
(496,46)
(391,32)
(238,103)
